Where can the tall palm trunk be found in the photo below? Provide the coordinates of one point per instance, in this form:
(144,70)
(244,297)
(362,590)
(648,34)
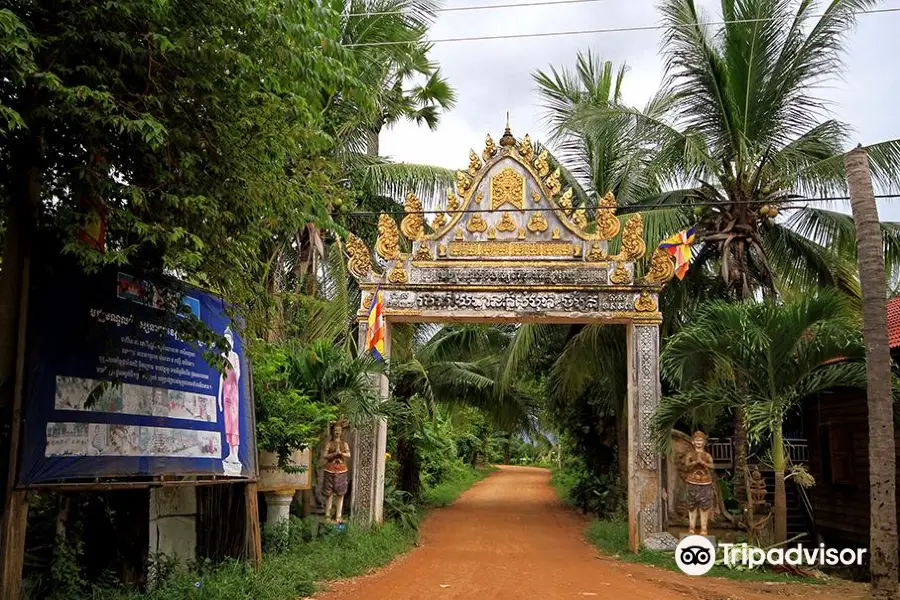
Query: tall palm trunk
(780,492)
(882,490)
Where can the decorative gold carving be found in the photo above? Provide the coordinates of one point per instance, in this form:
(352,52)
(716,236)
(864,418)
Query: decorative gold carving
(578,247)
(645,302)
(620,276)
(662,267)
(360,261)
(459,233)
(423,253)
(413,224)
(597,254)
(490,148)
(452,201)
(553,184)
(462,182)
(507,186)
(388,243)
(555,234)
(579,219)
(607,222)
(537,223)
(366,302)
(440,219)
(476,224)
(474,163)
(541,165)
(442,250)
(526,150)
(511,248)
(565,201)
(479,197)
(536,197)
(506,223)
(633,246)
(521,235)
(492,233)
(398,273)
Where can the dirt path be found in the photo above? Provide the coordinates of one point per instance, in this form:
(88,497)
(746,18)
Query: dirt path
(510,538)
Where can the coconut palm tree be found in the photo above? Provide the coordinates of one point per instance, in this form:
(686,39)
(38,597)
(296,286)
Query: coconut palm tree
(387,38)
(882,473)
(764,358)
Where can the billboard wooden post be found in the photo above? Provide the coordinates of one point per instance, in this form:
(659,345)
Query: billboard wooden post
(254,537)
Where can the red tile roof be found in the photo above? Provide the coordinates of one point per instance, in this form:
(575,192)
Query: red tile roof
(893,322)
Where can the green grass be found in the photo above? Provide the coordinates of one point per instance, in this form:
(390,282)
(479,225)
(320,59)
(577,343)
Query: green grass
(611,537)
(448,491)
(288,575)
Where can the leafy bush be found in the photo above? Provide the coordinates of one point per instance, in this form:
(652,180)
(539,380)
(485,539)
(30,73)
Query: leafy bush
(601,495)
(286,418)
(399,506)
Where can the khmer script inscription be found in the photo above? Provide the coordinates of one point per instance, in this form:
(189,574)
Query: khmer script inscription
(510,275)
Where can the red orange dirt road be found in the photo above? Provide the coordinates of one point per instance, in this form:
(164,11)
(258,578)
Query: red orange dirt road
(509,538)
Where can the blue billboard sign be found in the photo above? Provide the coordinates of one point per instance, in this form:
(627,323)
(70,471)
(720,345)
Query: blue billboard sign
(114,392)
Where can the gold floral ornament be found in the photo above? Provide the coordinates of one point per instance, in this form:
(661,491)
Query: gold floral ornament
(645,302)
(423,253)
(474,163)
(507,187)
(452,201)
(620,276)
(442,250)
(596,254)
(565,201)
(555,234)
(479,197)
(579,219)
(413,224)
(607,222)
(476,224)
(398,273)
(541,165)
(526,150)
(537,223)
(360,262)
(388,243)
(521,235)
(440,219)
(536,197)
(490,148)
(633,246)
(553,184)
(492,233)
(459,233)
(506,223)
(462,182)
(662,268)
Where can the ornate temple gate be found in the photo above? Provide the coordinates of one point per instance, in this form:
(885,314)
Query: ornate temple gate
(512,246)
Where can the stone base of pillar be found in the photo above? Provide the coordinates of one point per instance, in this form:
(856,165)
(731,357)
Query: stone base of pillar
(278,507)
(173,523)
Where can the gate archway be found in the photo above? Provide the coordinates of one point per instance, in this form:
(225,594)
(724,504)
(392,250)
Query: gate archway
(512,245)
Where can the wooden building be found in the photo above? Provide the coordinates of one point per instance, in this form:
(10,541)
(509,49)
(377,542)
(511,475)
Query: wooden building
(836,427)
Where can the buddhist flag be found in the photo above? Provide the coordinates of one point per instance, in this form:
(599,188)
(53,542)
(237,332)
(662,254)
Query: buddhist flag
(375,334)
(679,246)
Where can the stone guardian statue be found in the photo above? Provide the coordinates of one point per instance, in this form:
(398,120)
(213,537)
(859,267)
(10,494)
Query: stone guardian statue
(336,474)
(698,468)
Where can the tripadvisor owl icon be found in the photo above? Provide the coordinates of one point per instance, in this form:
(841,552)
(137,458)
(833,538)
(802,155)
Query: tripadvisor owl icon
(695,555)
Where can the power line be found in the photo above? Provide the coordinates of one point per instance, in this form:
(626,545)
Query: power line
(515,36)
(629,209)
(479,7)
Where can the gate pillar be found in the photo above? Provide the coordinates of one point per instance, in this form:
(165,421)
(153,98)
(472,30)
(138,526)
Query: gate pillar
(645,491)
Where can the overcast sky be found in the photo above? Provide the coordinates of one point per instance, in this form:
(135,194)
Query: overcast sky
(494,76)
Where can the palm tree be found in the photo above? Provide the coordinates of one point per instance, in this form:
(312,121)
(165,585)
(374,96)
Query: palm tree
(764,359)
(387,38)
(882,474)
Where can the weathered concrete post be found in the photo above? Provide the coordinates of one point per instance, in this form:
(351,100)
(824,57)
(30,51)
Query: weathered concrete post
(367,452)
(645,503)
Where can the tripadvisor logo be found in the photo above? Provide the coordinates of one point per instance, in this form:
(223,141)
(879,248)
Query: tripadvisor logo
(696,555)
